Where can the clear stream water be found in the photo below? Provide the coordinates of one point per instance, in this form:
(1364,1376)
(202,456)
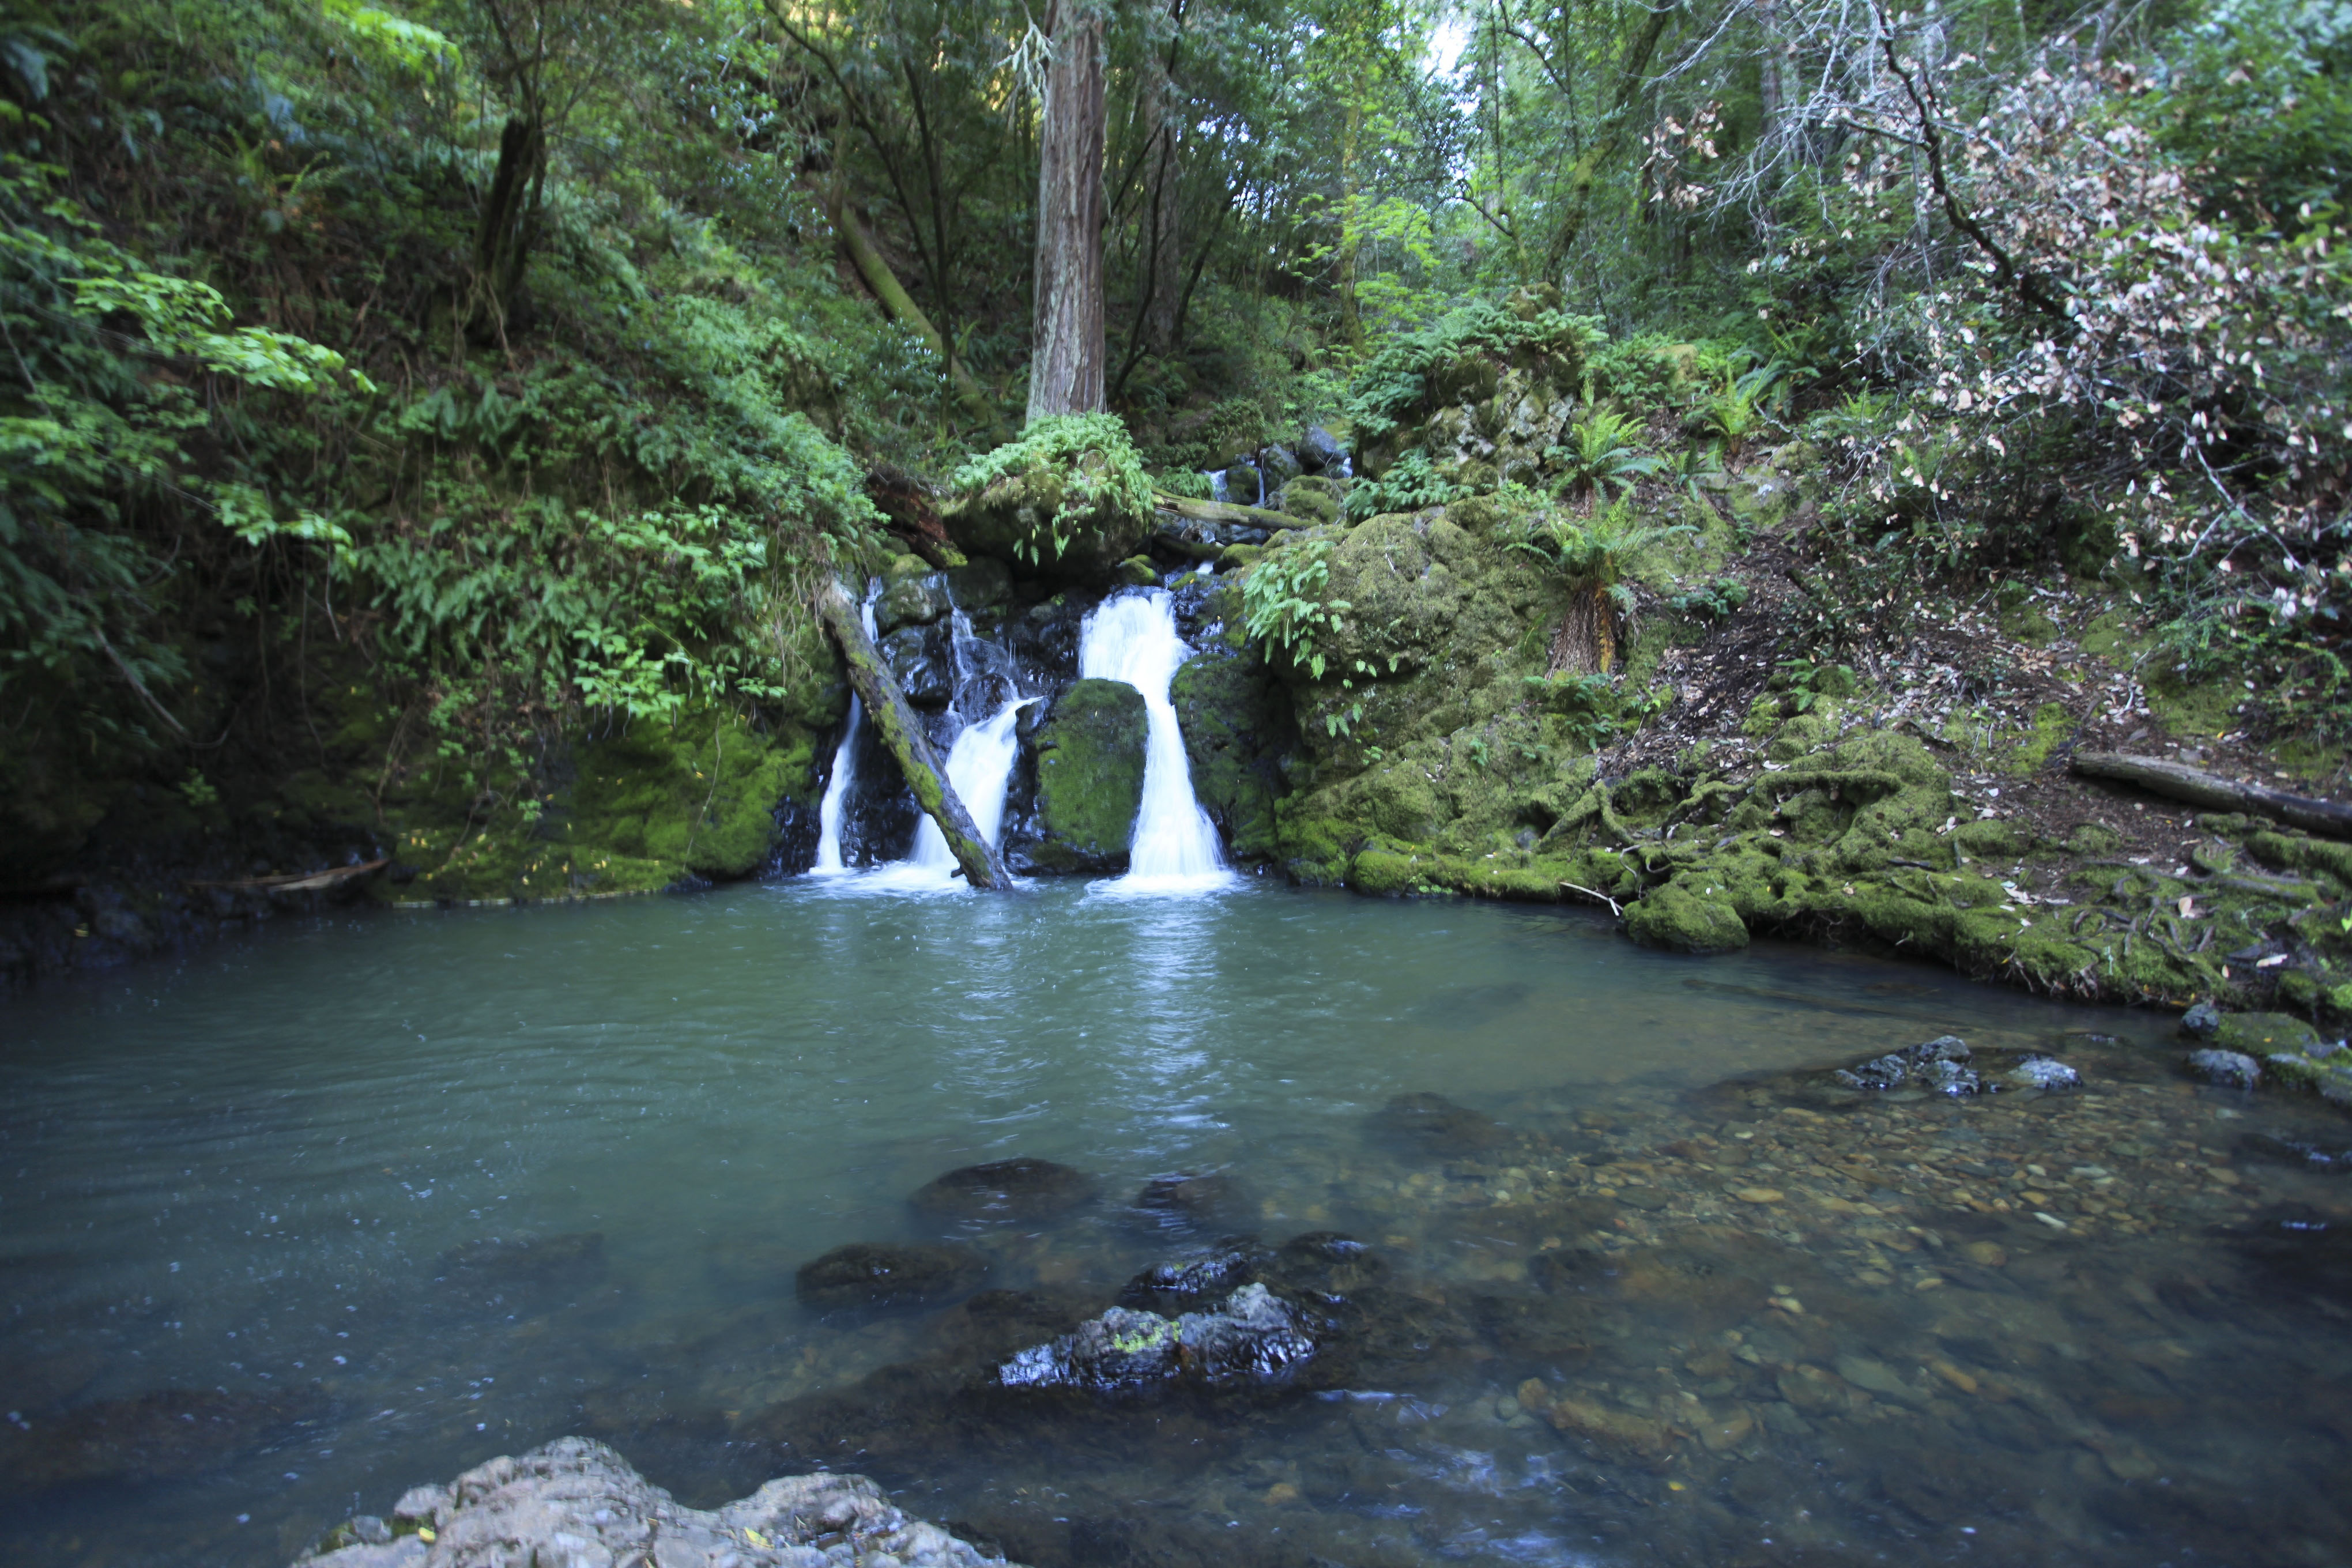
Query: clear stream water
(237,1193)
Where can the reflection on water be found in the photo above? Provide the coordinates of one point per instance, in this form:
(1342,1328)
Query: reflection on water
(300,1224)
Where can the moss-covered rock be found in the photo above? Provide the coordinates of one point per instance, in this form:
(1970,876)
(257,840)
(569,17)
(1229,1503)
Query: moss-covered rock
(1479,398)
(1690,914)
(629,812)
(1090,755)
(1237,726)
(1068,501)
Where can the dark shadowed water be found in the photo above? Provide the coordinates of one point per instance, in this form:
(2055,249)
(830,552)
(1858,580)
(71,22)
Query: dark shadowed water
(295,1224)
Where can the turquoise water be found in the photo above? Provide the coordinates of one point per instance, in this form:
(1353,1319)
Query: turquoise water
(238,1193)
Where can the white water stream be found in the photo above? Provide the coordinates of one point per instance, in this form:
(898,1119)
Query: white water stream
(835,804)
(979,766)
(1133,638)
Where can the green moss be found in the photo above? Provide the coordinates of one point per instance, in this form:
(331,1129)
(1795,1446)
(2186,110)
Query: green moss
(1688,915)
(632,813)
(2260,1035)
(1090,756)
(1236,723)
(1382,873)
(1070,499)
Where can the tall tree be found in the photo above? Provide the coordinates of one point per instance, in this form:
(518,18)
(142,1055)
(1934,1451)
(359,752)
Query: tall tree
(1065,362)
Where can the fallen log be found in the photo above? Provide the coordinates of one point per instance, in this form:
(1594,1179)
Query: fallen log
(1226,513)
(299,881)
(885,705)
(2194,786)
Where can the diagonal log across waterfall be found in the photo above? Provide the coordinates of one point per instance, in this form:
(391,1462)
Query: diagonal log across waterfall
(886,706)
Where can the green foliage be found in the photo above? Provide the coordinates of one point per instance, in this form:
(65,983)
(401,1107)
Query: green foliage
(1710,600)
(1395,386)
(1088,462)
(1408,484)
(1594,553)
(1599,454)
(1283,606)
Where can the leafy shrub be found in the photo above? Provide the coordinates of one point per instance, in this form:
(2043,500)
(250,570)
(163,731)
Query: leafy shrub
(1088,462)
(1599,454)
(1283,606)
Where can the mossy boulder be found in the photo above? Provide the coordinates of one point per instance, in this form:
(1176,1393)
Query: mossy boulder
(1687,915)
(634,812)
(1237,725)
(1479,397)
(1068,501)
(1091,754)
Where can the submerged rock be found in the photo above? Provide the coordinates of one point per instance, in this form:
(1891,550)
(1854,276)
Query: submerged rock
(1254,1335)
(1190,1201)
(527,1258)
(2042,1072)
(2297,1153)
(1435,1125)
(1328,1264)
(576,1501)
(1939,1065)
(2226,1069)
(869,1274)
(167,1435)
(1015,1189)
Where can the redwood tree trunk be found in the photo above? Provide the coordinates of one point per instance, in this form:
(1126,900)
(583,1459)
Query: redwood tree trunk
(1065,360)
(1163,269)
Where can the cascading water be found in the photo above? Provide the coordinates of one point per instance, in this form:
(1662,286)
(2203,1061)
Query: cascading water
(1133,638)
(835,804)
(979,765)
(1218,490)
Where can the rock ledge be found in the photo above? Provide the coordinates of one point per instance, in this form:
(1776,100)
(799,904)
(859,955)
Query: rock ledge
(578,1504)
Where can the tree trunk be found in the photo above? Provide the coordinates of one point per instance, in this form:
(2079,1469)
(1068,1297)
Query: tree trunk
(1065,359)
(1768,89)
(1351,320)
(509,222)
(1586,642)
(1609,136)
(2178,781)
(1163,268)
(896,303)
(886,706)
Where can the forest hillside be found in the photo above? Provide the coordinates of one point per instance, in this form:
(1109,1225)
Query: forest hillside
(427,429)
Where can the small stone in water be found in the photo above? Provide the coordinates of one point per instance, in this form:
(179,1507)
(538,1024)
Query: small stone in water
(1985,1253)
(2045,1073)
(1759,1194)
(2228,1069)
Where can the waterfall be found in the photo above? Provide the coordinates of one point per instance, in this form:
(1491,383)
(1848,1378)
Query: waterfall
(1217,490)
(1133,638)
(979,766)
(835,804)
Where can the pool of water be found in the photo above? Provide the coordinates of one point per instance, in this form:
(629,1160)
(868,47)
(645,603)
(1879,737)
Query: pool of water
(295,1224)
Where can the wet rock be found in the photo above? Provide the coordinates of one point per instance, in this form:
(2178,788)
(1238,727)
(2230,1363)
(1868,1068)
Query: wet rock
(920,661)
(2201,1021)
(1433,1124)
(1090,753)
(1006,1190)
(1238,725)
(577,1502)
(867,1274)
(1280,465)
(1939,1066)
(1254,1334)
(1181,1281)
(980,582)
(2226,1069)
(2043,1073)
(1320,452)
(167,1435)
(912,601)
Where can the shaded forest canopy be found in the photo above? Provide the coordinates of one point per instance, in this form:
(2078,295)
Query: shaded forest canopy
(392,391)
